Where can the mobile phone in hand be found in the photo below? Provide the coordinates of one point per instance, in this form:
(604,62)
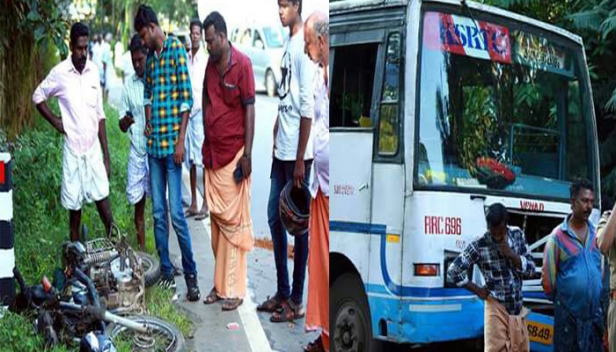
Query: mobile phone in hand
(238,175)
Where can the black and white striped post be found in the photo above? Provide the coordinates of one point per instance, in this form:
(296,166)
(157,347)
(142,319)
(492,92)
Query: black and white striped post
(7,252)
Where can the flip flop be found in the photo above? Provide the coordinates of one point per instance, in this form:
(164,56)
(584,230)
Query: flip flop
(202,216)
(190,213)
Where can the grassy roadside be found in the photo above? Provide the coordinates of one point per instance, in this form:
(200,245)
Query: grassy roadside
(41,223)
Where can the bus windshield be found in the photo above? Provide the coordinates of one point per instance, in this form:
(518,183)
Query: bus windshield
(502,108)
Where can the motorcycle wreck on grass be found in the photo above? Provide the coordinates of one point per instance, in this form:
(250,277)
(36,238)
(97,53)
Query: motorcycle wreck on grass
(97,300)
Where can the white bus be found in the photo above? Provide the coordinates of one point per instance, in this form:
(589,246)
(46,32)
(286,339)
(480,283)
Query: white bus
(438,110)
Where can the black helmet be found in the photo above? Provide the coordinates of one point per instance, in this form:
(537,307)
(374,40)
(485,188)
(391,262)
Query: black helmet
(295,209)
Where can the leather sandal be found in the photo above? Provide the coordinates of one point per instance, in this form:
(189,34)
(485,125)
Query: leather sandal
(212,297)
(271,304)
(232,304)
(289,312)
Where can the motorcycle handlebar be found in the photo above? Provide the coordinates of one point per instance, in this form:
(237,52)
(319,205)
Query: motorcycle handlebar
(102,314)
(20,279)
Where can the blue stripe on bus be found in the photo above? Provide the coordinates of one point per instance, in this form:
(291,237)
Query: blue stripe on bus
(421,292)
(357,227)
(535,294)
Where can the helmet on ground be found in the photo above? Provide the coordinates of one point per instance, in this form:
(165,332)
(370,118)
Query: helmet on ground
(295,209)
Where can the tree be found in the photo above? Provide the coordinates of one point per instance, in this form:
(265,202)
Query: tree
(30,33)
(180,12)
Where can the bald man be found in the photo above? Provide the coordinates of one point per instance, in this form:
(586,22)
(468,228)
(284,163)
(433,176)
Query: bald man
(316,38)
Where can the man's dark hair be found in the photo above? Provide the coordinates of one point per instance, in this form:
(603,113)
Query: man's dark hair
(79,29)
(496,215)
(578,185)
(136,44)
(607,202)
(195,22)
(145,15)
(215,19)
(299,9)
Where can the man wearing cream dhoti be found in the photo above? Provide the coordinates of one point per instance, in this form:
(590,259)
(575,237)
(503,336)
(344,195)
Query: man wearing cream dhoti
(316,37)
(228,110)
(504,260)
(85,163)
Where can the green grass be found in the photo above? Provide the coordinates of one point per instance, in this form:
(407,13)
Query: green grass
(41,223)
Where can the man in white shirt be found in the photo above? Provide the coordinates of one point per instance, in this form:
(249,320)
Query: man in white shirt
(292,160)
(195,133)
(127,66)
(107,63)
(85,170)
(118,50)
(97,58)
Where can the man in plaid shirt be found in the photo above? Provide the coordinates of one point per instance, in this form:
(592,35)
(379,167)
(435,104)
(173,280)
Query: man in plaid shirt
(504,260)
(168,101)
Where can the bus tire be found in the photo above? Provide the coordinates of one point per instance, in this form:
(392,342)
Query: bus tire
(350,316)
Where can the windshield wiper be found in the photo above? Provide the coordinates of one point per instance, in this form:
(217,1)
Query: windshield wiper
(468,11)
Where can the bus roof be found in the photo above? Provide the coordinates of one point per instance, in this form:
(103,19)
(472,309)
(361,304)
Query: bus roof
(347,6)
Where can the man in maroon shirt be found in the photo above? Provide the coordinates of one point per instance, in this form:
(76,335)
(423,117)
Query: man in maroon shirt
(228,117)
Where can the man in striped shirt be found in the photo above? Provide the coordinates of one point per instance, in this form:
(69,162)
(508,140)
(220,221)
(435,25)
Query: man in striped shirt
(168,101)
(572,276)
(133,122)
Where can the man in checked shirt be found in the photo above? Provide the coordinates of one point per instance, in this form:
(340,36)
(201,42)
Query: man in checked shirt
(504,260)
(168,101)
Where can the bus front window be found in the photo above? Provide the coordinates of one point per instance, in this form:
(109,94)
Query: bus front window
(501,109)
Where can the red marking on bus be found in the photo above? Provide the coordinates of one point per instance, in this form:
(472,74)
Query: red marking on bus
(442,225)
(534,206)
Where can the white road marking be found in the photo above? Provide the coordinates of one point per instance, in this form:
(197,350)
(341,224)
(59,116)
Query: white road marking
(248,310)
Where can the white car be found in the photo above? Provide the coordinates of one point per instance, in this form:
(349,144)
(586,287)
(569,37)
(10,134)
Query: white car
(264,45)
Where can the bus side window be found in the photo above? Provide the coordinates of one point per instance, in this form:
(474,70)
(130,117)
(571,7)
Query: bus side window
(389,124)
(352,85)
